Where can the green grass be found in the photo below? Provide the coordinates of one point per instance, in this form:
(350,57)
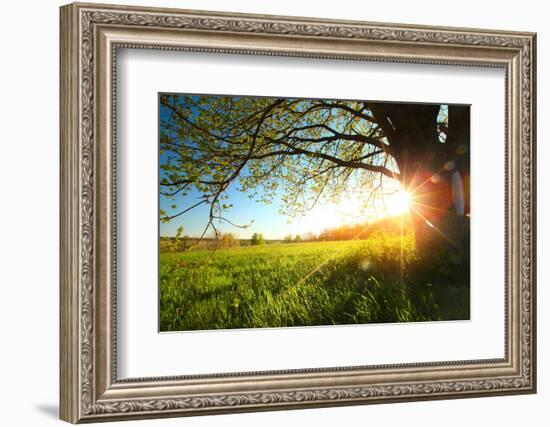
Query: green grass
(303,284)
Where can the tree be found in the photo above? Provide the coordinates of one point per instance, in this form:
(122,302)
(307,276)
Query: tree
(228,240)
(318,149)
(257,239)
(288,239)
(298,238)
(174,244)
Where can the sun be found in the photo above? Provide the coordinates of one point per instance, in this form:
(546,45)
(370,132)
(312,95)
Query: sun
(348,210)
(351,210)
(398,203)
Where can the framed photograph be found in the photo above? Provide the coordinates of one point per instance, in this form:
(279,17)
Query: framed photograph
(265,212)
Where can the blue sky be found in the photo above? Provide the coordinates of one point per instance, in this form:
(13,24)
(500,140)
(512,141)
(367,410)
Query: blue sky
(266,218)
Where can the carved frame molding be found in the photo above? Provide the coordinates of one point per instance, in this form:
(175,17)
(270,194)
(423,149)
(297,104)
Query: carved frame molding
(90,37)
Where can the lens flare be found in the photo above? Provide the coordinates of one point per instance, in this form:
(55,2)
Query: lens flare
(399,203)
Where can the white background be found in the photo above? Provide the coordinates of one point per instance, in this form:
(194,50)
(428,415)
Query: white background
(143,352)
(29,171)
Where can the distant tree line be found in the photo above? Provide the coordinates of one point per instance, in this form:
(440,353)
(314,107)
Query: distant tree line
(181,242)
(351,231)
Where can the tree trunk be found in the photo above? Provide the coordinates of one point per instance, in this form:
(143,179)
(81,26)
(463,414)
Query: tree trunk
(435,173)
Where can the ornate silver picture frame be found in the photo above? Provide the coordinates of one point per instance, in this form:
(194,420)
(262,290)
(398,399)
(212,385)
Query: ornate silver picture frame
(91,36)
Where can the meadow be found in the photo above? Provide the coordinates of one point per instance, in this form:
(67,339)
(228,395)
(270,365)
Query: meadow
(378,279)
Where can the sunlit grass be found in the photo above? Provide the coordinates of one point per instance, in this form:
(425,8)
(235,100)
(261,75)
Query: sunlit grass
(301,284)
